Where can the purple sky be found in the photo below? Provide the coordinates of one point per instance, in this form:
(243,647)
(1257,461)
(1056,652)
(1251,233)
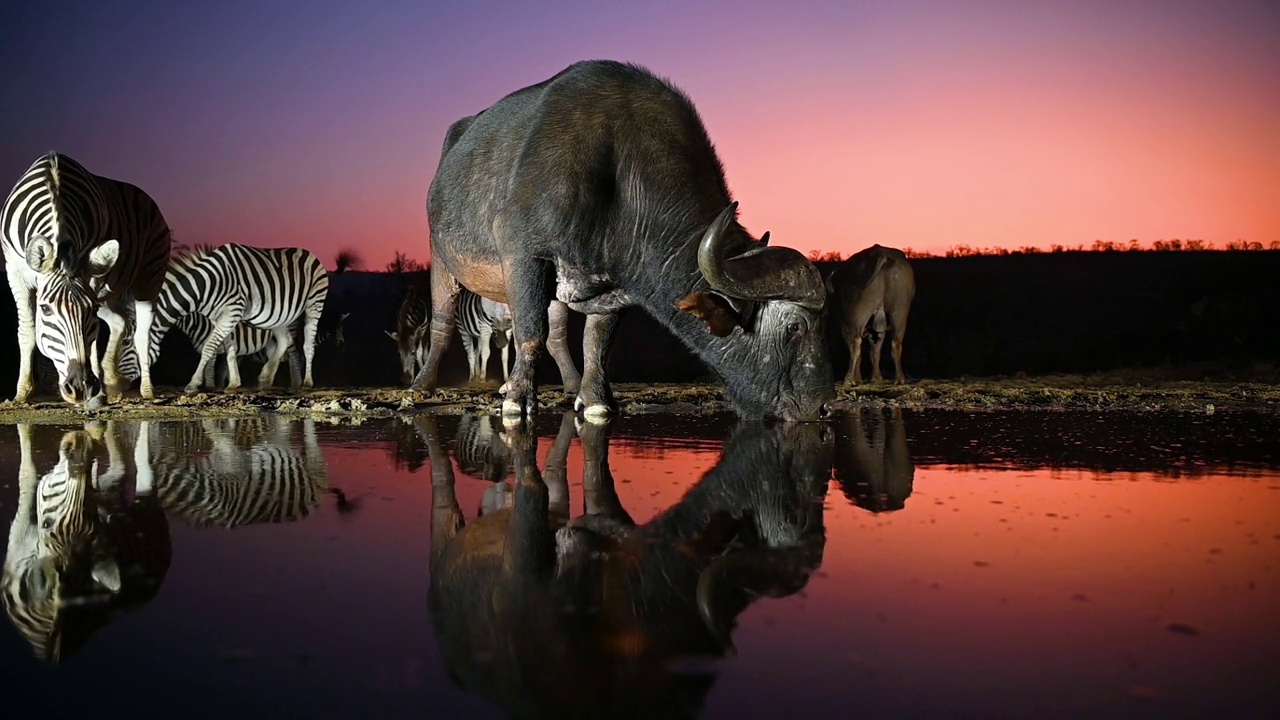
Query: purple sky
(920,124)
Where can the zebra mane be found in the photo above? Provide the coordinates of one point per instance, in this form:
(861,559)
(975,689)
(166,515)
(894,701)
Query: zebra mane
(190,258)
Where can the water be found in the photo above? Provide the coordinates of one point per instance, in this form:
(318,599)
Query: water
(952,565)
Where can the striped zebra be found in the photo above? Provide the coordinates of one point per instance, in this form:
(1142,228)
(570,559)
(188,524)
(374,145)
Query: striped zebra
(479,448)
(255,343)
(479,320)
(78,552)
(79,247)
(268,288)
(239,472)
(412,322)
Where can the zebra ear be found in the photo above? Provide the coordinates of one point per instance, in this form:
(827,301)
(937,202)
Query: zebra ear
(40,255)
(103,257)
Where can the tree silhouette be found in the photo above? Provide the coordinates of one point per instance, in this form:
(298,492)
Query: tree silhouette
(401,263)
(347,259)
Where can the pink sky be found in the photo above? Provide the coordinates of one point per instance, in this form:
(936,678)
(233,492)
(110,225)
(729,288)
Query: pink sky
(916,124)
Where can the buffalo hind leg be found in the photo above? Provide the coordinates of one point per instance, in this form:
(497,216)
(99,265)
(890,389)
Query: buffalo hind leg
(445,292)
(596,399)
(558,346)
(854,339)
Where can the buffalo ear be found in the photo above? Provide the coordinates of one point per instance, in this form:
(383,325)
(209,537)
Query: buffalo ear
(713,309)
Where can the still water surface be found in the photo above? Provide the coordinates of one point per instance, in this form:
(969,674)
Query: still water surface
(893,564)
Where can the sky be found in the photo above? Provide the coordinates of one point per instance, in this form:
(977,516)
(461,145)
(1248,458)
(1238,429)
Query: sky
(923,124)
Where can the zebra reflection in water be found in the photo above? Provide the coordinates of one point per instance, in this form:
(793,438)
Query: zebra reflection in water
(80,550)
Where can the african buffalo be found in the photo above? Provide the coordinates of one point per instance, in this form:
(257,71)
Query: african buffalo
(599,189)
(871,294)
(873,464)
(523,600)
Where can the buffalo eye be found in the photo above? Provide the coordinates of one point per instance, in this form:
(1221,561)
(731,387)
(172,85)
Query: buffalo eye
(793,329)
(46,309)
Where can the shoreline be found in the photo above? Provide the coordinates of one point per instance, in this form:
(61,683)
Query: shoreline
(1112,392)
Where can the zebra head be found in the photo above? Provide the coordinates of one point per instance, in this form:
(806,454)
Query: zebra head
(41,583)
(66,319)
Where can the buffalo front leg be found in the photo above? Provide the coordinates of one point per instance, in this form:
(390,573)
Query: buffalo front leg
(446,514)
(596,400)
(558,346)
(445,292)
(528,296)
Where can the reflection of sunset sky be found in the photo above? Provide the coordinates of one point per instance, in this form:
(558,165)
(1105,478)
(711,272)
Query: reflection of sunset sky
(924,124)
(1049,581)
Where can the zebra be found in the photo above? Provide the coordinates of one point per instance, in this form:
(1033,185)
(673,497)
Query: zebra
(240,472)
(480,449)
(412,322)
(78,552)
(79,247)
(480,319)
(268,288)
(256,343)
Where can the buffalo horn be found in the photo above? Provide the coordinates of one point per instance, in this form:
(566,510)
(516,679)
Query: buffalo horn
(761,273)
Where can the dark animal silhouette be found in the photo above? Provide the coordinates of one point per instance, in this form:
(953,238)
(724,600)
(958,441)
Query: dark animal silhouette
(871,294)
(873,464)
(600,189)
(522,599)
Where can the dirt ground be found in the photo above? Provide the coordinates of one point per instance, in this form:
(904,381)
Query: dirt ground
(1117,391)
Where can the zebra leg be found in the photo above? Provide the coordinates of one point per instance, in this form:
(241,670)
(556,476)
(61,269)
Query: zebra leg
(445,291)
(596,400)
(111,356)
(294,356)
(281,338)
(143,315)
(24,298)
(309,328)
(233,363)
(145,481)
(469,344)
(211,375)
(483,347)
(223,326)
(506,353)
(558,346)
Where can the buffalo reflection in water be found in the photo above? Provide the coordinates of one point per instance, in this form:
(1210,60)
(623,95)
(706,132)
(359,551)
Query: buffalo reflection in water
(550,617)
(85,545)
(873,465)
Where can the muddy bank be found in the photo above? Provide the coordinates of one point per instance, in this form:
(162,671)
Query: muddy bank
(1058,392)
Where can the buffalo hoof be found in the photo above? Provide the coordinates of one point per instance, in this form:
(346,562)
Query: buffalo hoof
(596,413)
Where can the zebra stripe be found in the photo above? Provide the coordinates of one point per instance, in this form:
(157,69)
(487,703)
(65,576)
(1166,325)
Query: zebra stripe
(480,450)
(71,548)
(240,473)
(480,319)
(252,342)
(272,289)
(75,245)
